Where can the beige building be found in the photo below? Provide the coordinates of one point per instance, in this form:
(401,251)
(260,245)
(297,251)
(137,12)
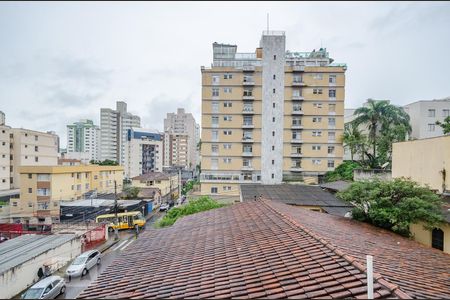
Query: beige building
(43,187)
(5,157)
(427,161)
(270,116)
(181,136)
(166,183)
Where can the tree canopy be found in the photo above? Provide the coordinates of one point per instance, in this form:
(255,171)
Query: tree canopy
(445,125)
(393,205)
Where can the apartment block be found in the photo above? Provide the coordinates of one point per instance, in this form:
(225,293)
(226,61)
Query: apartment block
(114,125)
(424,114)
(84,136)
(176,150)
(167,183)
(143,152)
(5,156)
(182,124)
(270,116)
(2,118)
(43,187)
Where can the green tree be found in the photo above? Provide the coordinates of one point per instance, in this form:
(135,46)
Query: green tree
(393,205)
(379,117)
(354,140)
(106,162)
(445,126)
(131,192)
(343,172)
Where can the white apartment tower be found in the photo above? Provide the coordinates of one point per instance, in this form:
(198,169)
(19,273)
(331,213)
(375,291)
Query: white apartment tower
(182,132)
(84,137)
(114,125)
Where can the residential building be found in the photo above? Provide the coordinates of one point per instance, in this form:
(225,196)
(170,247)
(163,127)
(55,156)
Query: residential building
(83,157)
(84,136)
(427,161)
(143,152)
(31,148)
(5,157)
(176,150)
(43,187)
(178,127)
(266,249)
(166,183)
(2,118)
(424,114)
(270,116)
(114,125)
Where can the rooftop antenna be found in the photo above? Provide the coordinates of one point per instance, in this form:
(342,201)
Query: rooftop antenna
(267,22)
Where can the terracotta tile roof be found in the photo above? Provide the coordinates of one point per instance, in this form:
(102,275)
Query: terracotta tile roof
(264,249)
(152,176)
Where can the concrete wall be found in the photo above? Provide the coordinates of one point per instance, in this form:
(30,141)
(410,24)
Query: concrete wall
(359,174)
(23,276)
(424,236)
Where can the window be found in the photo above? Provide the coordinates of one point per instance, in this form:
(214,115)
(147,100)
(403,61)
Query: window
(214,120)
(317,133)
(332,93)
(297,79)
(248,92)
(14,203)
(274,76)
(247,149)
(332,79)
(330,149)
(227,104)
(215,79)
(431,127)
(273,119)
(318,76)
(273,161)
(273,148)
(213,190)
(248,120)
(228,76)
(437,239)
(273,176)
(332,121)
(227,160)
(227,188)
(273,133)
(30,190)
(227,118)
(331,135)
(227,146)
(36,159)
(227,132)
(317,91)
(273,104)
(445,112)
(215,92)
(215,134)
(317,119)
(215,106)
(297,150)
(274,91)
(246,162)
(30,176)
(296,121)
(296,135)
(246,135)
(296,93)
(214,163)
(332,107)
(227,90)
(316,161)
(316,147)
(73,187)
(274,58)
(331,164)
(431,113)
(43,192)
(317,105)
(214,148)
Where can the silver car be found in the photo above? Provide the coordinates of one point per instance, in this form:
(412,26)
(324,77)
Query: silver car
(48,288)
(83,263)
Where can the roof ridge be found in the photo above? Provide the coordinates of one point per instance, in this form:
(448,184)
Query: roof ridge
(394,288)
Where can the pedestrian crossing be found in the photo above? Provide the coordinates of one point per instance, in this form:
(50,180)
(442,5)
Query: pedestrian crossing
(122,245)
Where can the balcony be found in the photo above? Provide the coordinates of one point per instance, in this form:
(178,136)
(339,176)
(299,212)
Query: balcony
(298,83)
(297,126)
(298,68)
(296,141)
(248,83)
(247,154)
(296,169)
(296,154)
(247,168)
(247,140)
(248,111)
(297,97)
(248,68)
(297,112)
(248,97)
(248,125)
(332,98)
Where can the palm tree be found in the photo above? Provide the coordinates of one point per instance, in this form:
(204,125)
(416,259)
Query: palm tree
(378,116)
(354,140)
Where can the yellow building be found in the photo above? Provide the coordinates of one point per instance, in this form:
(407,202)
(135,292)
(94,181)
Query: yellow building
(43,187)
(427,161)
(270,116)
(166,183)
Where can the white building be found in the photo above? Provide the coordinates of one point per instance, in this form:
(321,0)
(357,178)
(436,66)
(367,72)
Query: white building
(114,125)
(143,152)
(5,157)
(2,118)
(176,128)
(84,136)
(424,114)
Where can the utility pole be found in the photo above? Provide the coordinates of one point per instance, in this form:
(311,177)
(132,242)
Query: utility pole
(116,233)
(179,183)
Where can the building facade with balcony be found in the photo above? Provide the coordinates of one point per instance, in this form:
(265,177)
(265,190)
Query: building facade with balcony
(84,137)
(44,187)
(269,116)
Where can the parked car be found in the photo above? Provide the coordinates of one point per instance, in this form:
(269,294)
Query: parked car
(3,239)
(83,263)
(48,288)
(164,207)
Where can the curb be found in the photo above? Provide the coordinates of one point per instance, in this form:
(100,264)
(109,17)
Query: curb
(108,246)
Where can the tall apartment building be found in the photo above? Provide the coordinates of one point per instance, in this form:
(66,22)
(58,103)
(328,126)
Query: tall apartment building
(180,125)
(176,150)
(84,136)
(143,152)
(43,187)
(114,125)
(2,118)
(424,114)
(5,156)
(270,116)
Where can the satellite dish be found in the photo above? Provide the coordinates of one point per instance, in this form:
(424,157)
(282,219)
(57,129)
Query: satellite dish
(385,165)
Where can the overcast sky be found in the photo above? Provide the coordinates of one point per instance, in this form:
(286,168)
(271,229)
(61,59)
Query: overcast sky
(60,62)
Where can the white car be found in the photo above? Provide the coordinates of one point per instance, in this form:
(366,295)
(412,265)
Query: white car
(81,265)
(164,207)
(48,288)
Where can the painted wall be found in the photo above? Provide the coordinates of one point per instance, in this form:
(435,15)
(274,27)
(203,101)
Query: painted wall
(424,236)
